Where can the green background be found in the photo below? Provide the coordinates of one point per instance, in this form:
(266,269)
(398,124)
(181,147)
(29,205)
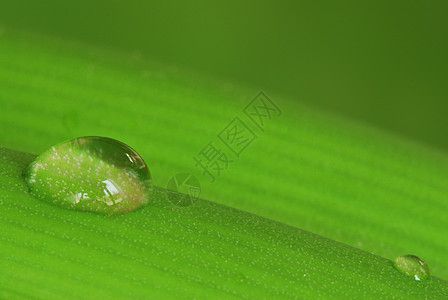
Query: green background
(382,62)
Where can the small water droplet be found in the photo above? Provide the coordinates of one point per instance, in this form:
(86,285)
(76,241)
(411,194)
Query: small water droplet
(93,174)
(412,266)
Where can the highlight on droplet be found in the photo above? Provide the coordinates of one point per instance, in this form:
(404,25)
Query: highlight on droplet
(94,174)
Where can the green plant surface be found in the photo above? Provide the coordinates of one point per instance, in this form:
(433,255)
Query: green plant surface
(308,169)
(205,250)
(383,62)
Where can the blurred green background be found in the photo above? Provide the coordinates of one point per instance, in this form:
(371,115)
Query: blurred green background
(382,62)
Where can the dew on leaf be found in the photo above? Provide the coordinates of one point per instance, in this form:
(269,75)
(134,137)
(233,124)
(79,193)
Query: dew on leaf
(94,174)
(412,266)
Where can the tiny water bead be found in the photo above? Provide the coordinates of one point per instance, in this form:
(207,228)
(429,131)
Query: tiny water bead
(412,266)
(94,174)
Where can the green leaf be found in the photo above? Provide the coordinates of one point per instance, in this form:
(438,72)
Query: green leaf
(307,169)
(161,250)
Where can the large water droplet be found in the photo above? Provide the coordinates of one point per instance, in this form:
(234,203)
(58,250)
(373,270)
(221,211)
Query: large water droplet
(412,266)
(93,174)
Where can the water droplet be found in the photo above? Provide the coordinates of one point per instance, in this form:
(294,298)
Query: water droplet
(93,174)
(412,266)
